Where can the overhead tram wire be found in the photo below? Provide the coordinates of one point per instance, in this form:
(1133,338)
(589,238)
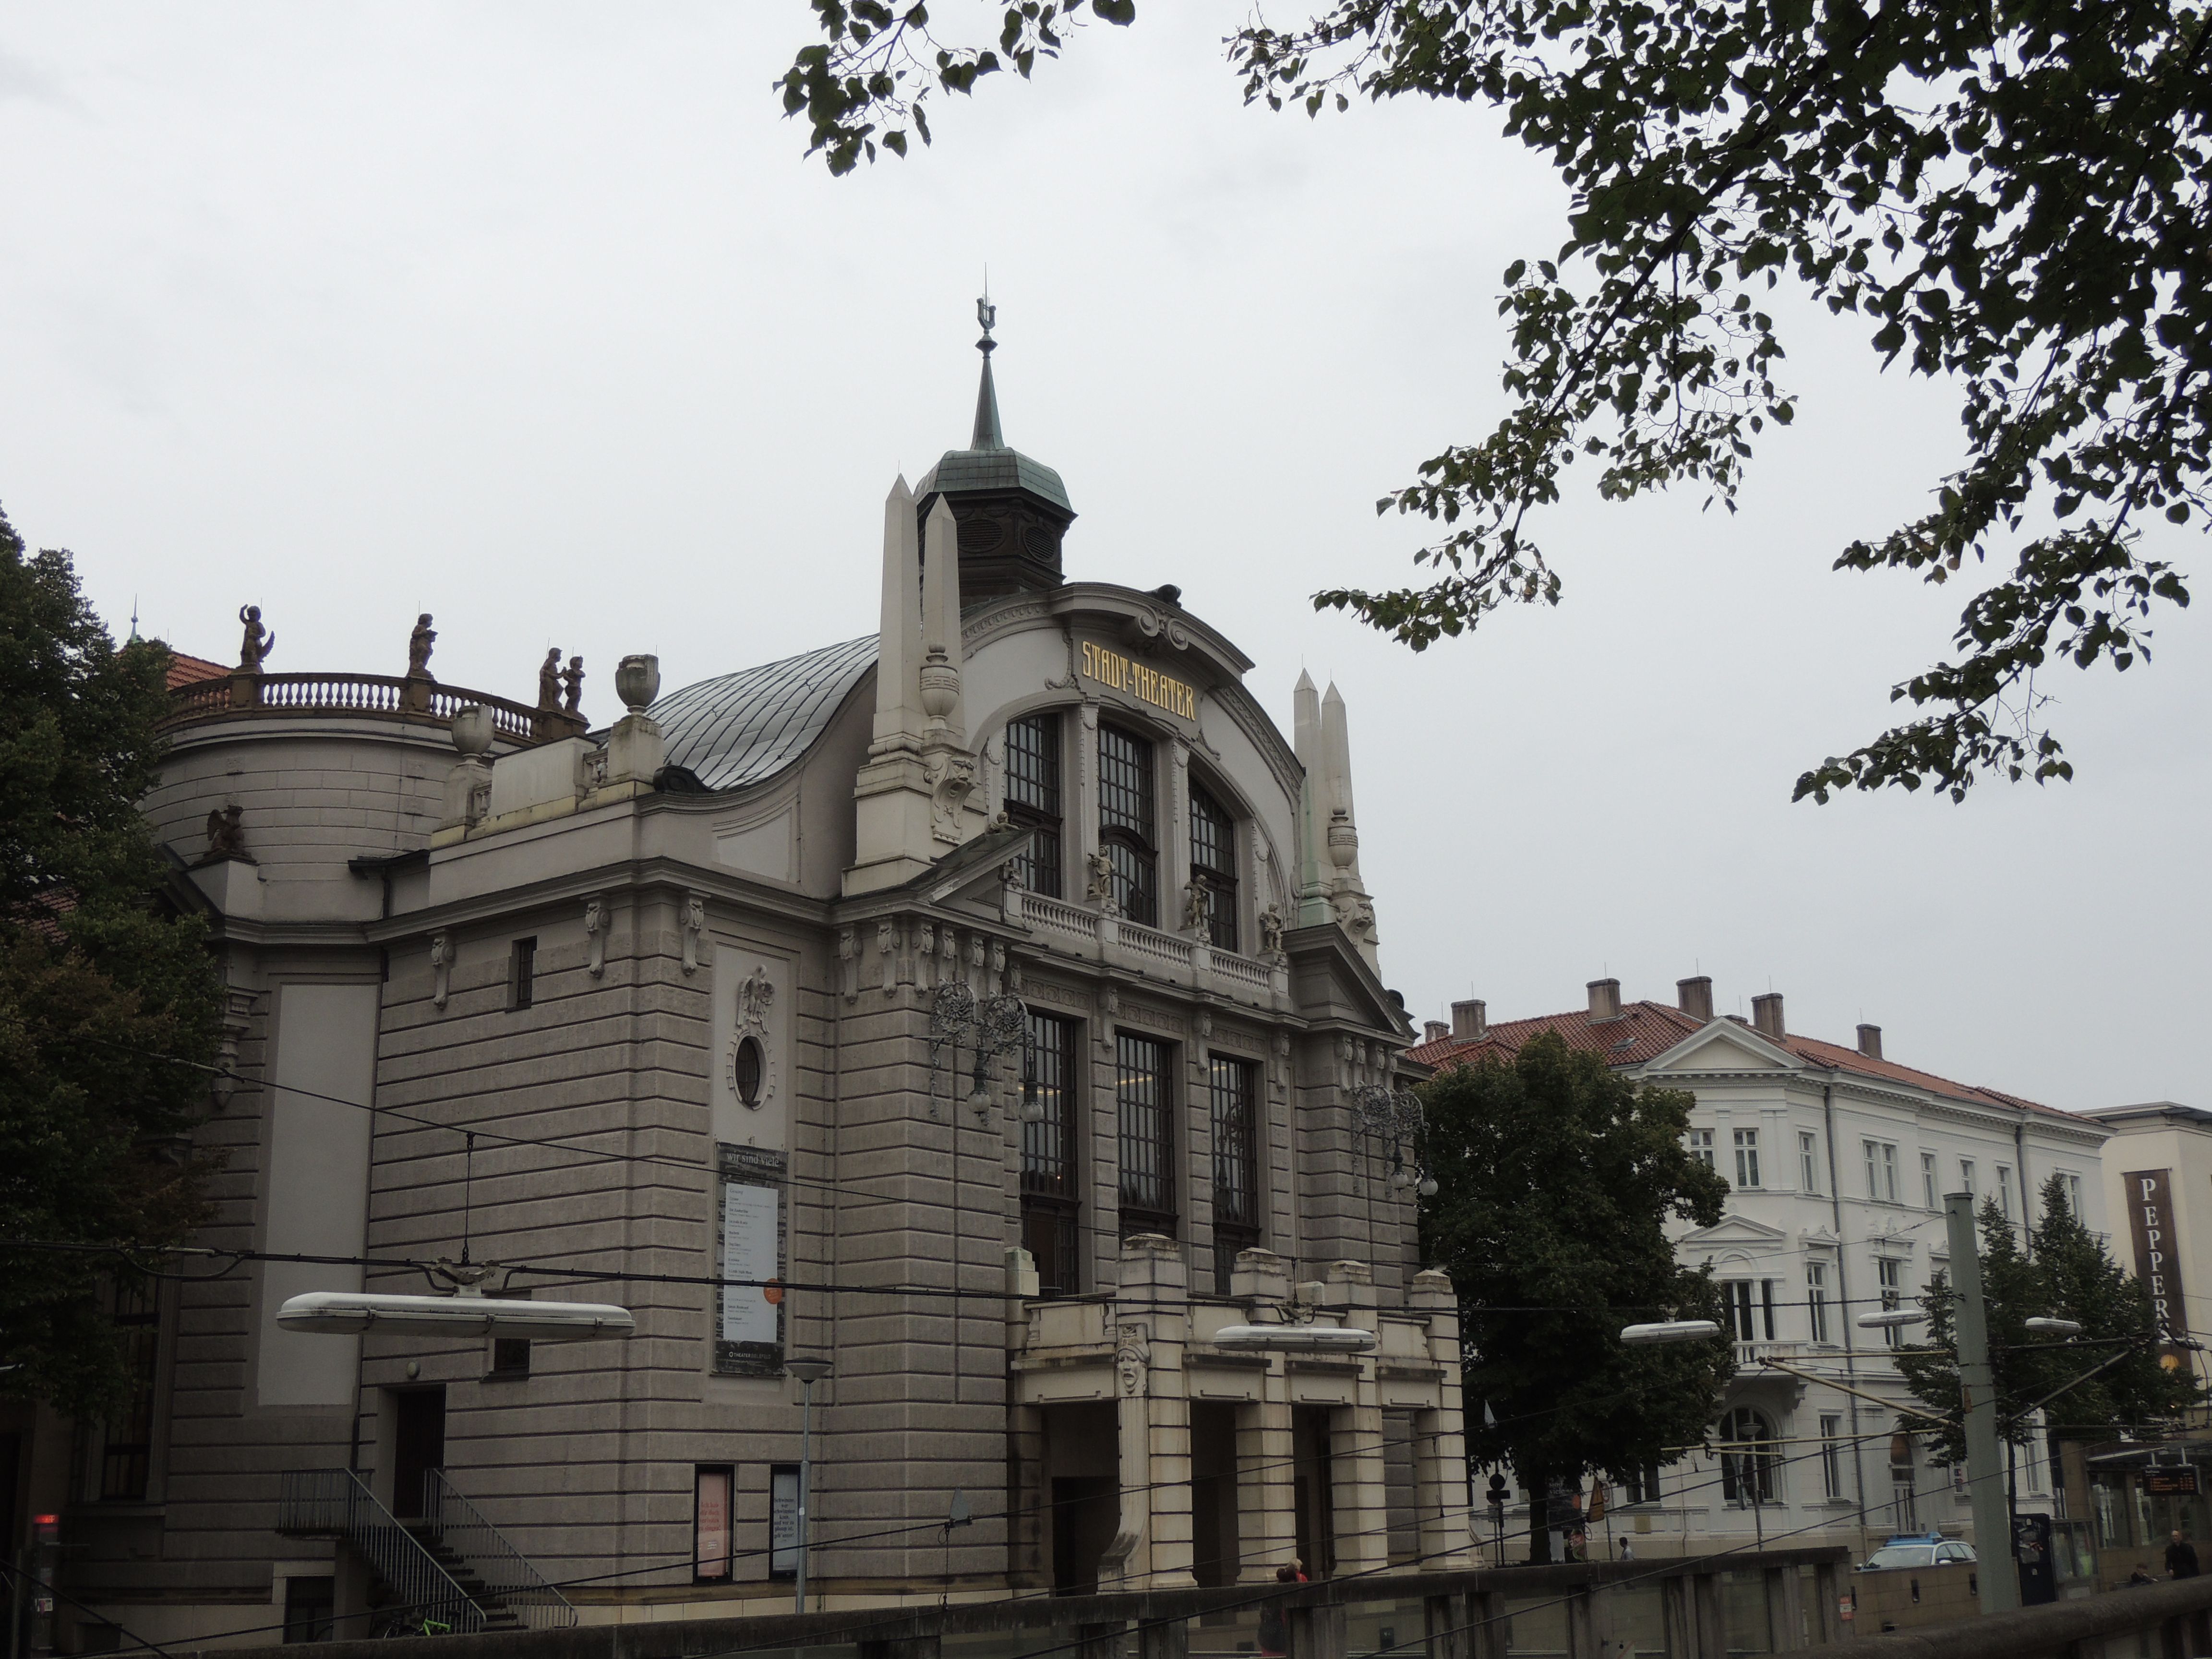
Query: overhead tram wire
(841,1189)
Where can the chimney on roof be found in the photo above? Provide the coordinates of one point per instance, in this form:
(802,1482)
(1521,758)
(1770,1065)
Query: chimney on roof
(1434,1031)
(1870,1041)
(1604,1000)
(1694,997)
(1766,1016)
(1468,1022)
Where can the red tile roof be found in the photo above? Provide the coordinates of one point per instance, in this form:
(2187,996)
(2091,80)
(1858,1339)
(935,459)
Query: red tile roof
(1644,1031)
(191,670)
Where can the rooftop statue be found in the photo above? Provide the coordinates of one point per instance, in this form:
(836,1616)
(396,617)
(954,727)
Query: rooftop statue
(258,642)
(418,647)
(572,677)
(548,680)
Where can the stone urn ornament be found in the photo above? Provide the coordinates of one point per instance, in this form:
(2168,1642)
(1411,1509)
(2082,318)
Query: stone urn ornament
(472,729)
(637,681)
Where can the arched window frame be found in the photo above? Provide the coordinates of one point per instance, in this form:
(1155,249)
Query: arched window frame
(1128,817)
(1216,844)
(1749,1464)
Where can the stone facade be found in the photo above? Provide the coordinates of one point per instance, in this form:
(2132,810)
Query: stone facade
(685,1015)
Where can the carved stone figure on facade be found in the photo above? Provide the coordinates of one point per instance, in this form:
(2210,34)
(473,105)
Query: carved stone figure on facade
(1133,1359)
(571,678)
(418,649)
(226,835)
(1355,914)
(755,998)
(254,649)
(695,925)
(595,935)
(1271,930)
(548,681)
(951,777)
(1193,908)
(1098,886)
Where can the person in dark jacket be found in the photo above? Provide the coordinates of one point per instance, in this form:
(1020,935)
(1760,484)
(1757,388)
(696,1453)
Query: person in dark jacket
(2180,1557)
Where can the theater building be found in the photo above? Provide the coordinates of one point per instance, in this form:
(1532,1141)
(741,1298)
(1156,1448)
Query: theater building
(989,1005)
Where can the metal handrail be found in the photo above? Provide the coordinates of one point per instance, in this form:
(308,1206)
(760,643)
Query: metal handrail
(507,1575)
(335,1501)
(386,696)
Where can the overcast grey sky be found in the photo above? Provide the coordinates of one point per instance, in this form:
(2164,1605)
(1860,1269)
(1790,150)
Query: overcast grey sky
(531,315)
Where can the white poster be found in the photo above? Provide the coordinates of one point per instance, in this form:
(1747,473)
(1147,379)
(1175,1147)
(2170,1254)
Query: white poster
(751,1227)
(783,1522)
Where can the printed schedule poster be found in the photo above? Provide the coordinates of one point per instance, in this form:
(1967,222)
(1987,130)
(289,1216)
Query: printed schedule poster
(750,1232)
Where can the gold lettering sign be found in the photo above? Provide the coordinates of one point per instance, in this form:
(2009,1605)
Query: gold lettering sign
(1120,673)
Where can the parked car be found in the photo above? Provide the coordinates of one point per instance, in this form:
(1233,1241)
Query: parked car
(1919,1550)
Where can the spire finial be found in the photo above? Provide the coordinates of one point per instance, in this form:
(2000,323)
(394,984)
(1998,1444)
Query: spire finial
(986,434)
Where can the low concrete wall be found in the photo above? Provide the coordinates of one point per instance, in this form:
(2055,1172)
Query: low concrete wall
(2182,1609)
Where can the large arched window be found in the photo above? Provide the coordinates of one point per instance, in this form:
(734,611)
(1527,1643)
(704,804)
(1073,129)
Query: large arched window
(1033,797)
(1749,1457)
(1127,822)
(1214,868)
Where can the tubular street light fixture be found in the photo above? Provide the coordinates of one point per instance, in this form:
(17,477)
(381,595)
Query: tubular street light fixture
(1669,1330)
(809,1369)
(354,1313)
(1890,1319)
(2048,1327)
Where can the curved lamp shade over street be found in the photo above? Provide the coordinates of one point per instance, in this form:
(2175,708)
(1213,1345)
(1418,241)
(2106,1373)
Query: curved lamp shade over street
(1890,1319)
(1669,1330)
(350,1313)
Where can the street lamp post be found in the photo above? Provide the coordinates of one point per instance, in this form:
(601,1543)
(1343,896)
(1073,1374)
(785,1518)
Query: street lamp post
(808,1370)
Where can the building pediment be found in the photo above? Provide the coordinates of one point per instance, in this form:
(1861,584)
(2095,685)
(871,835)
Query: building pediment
(1721,1045)
(1735,1230)
(1330,980)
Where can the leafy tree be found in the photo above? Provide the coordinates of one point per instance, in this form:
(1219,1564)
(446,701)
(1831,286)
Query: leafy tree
(2067,1273)
(2016,199)
(97,980)
(1555,1180)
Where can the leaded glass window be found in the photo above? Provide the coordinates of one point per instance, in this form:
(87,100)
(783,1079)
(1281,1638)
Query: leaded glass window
(1214,867)
(1033,798)
(1232,1085)
(1143,1094)
(1050,1209)
(1126,820)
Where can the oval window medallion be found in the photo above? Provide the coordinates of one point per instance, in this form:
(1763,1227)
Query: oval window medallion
(748,1072)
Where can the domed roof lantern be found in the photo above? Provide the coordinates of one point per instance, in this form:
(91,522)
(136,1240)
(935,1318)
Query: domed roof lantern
(1012,511)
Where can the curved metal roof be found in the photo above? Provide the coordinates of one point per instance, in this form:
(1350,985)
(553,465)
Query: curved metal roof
(745,726)
(960,471)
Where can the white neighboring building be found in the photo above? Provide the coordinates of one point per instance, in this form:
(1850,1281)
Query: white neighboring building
(1839,1159)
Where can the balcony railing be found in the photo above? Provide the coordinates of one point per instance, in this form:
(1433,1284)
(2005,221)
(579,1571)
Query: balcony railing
(382,696)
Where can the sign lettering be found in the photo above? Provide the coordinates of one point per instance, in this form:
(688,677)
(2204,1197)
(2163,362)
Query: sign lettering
(2151,1218)
(1140,680)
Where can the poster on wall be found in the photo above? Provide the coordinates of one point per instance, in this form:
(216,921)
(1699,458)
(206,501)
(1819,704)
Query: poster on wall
(748,1337)
(783,1522)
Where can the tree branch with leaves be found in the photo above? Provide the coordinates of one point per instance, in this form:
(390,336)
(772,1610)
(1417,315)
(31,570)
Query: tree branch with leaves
(2017,200)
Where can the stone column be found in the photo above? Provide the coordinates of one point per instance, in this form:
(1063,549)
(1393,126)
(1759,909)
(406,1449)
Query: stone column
(1267,1489)
(1355,1433)
(1174,840)
(1154,1409)
(1440,1489)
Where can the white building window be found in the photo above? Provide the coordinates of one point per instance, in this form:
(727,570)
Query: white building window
(1816,1300)
(1701,1146)
(1750,1304)
(1929,1199)
(1881,1171)
(1967,1176)
(1808,1162)
(2071,1186)
(1747,1157)
(2004,1189)
(1831,1456)
(1889,1277)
